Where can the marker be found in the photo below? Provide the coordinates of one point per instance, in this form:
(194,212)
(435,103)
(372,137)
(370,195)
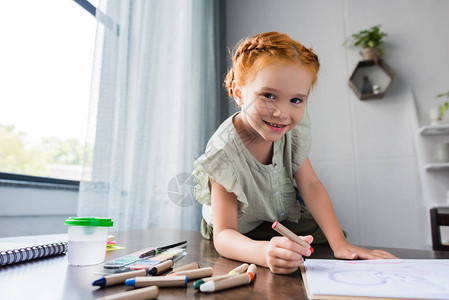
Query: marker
(195,274)
(199,282)
(160,281)
(160,249)
(161,268)
(156,270)
(252,269)
(121,277)
(151,292)
(118,278)
(240,269)
(191,266)
(234,281)
(290,235)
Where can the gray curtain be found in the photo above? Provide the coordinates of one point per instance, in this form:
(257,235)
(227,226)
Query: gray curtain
(156,99)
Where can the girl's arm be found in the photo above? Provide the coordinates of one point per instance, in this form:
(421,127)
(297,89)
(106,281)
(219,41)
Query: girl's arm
(319,204)
(279,254)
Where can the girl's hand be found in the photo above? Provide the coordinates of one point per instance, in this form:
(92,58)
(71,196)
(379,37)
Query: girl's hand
(284,256)
(348,251)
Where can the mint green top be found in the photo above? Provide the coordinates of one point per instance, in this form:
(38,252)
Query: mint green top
(264,192)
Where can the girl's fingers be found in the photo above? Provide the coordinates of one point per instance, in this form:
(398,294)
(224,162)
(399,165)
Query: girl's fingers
(380,254)
(284,254)
(356,252)
(277,270)
(284,243)
(280,263)
(346,254)
(307,238)
(280,266)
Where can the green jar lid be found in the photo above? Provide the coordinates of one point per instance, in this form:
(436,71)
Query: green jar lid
(89,221)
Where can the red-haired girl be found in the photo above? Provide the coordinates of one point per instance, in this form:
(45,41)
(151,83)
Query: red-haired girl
(246,178)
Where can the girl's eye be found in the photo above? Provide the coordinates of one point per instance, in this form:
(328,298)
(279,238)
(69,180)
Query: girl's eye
(296,100)
(268,95)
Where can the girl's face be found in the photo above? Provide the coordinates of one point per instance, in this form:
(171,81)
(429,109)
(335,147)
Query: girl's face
(273,103)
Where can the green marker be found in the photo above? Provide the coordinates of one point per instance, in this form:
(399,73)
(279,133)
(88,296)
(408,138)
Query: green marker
(198,283)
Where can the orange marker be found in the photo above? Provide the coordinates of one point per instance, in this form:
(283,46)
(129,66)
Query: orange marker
(251,271)
(219,277)
(290,235)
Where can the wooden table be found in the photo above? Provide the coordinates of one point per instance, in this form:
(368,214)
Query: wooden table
(53,278)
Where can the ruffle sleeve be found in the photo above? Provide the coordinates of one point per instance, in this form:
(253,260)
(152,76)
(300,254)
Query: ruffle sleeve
(301,142)
(217,165)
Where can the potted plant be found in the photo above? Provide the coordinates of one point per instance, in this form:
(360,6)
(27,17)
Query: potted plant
(444,107)
(370,40)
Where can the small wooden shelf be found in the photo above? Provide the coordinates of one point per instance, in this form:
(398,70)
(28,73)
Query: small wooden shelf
(434,129)
(377,72)
(437,166)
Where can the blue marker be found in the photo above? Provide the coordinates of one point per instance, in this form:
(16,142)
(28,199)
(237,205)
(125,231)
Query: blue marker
(118,278)
(161,281)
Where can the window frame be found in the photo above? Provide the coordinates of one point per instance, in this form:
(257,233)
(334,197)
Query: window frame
(22,180)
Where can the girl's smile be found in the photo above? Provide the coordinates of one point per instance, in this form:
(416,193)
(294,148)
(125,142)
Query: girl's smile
(276,127)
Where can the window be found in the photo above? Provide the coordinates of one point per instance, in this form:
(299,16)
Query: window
(46,62)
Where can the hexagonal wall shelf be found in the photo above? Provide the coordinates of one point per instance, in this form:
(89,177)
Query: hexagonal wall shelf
(371,79)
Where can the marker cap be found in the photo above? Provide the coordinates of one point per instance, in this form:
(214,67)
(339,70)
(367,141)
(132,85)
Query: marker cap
(196,284)
(130,282)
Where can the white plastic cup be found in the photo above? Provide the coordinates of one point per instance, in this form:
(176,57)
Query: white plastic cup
(87,237)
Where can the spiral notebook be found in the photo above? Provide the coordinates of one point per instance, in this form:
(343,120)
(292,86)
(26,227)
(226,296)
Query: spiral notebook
(11,253)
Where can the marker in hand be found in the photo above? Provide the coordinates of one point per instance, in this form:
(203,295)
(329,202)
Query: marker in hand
(290,235)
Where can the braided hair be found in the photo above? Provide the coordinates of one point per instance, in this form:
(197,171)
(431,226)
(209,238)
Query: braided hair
(252,54)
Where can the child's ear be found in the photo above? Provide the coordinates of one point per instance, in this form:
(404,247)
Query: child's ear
(237,93)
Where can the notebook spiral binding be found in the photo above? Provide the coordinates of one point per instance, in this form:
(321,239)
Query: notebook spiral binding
(31,253)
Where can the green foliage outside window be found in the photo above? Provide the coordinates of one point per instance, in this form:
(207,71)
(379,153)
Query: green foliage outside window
(18,157)
(15,157)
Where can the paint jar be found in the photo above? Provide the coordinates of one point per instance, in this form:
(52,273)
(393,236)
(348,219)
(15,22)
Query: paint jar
(87,238)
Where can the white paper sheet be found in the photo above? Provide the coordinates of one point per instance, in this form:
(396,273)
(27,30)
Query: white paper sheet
(397,278)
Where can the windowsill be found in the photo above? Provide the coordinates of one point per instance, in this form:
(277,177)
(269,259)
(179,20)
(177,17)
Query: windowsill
(26,181)
(37,185)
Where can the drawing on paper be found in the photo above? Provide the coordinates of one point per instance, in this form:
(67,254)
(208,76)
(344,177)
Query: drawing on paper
(425,279)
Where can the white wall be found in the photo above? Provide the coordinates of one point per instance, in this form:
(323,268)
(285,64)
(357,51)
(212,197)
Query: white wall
(363,151)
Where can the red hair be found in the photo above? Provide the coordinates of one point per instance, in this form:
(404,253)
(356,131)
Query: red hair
(259,51)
